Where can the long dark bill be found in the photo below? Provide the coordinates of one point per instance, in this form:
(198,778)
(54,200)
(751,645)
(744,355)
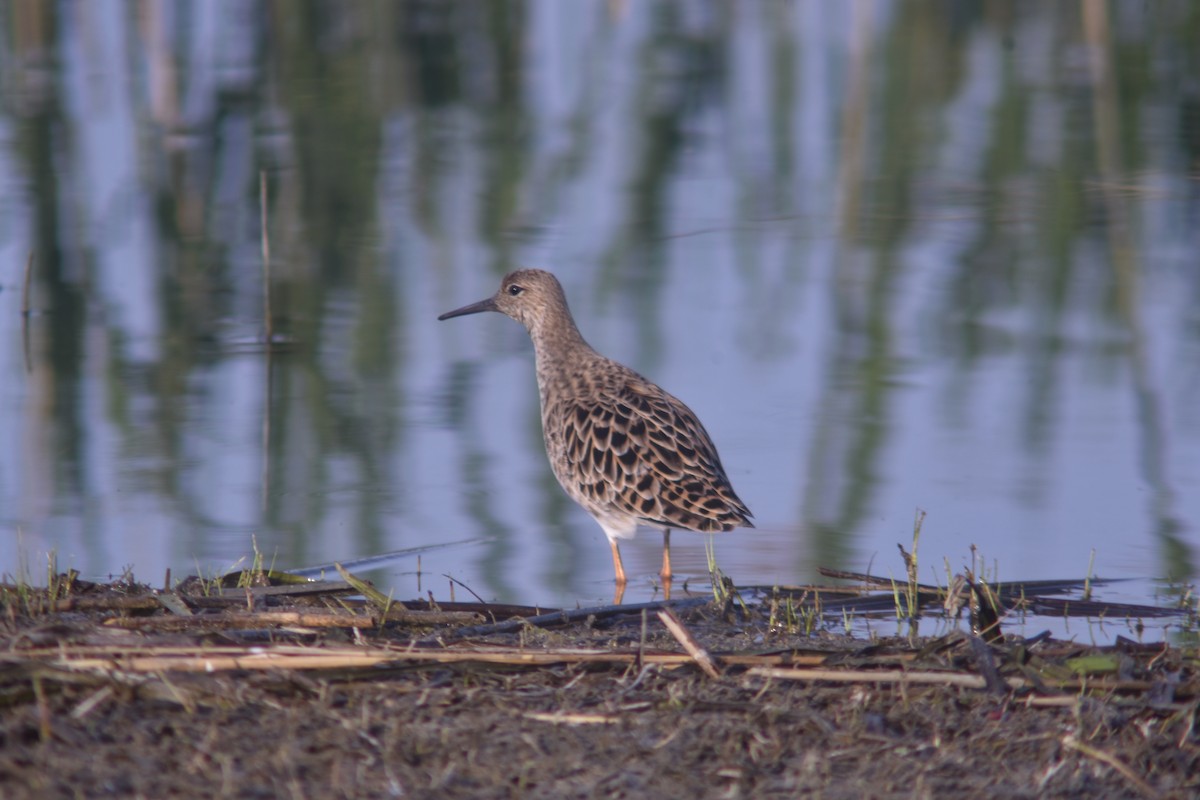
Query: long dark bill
(474,308)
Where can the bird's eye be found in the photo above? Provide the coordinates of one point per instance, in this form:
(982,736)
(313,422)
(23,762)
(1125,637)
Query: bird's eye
(515,290)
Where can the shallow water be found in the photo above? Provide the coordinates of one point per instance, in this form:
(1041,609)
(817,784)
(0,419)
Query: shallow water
(894,259)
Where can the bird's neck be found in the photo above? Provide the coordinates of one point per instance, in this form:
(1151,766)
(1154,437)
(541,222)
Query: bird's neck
(559,348)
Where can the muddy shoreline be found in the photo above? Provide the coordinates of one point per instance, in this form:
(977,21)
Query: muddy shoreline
(120,690)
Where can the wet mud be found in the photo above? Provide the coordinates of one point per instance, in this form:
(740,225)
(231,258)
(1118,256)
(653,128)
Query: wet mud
(280,692)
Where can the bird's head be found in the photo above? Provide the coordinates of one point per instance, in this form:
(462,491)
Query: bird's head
(530,296)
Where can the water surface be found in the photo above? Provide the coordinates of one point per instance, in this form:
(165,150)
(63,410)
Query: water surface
(895,259)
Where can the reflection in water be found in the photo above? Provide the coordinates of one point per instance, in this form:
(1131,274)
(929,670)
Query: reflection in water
(1124,257)
(897,258)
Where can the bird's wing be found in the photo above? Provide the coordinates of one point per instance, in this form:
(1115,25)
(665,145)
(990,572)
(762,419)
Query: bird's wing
(641,450)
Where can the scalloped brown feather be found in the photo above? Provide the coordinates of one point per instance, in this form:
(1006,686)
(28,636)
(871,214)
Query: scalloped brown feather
(622,446)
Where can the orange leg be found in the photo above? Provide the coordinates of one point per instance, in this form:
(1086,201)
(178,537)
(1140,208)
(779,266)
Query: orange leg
(619,592)
(618,568)
(665,574)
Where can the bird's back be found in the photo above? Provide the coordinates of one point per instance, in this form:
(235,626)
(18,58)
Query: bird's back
(626,450)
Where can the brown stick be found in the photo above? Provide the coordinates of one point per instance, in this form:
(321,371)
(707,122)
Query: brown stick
(141,603)
(685,638)
(1107,758)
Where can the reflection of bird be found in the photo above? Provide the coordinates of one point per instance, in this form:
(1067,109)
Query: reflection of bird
(621,447)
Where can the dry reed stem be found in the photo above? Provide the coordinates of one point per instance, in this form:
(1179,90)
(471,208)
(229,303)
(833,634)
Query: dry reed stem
(149,660)
(308,619)
(966,680)
(879,676)
(118,661)
(685,638)
(572,719)
(1120,766)
(375,597)
(45,730)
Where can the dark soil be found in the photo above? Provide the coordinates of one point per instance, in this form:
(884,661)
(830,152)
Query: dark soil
(1119,723)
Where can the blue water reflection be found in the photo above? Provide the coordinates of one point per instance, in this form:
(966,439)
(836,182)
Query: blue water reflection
(893,258)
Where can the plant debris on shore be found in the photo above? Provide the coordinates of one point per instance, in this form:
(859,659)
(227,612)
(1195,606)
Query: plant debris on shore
(306,691)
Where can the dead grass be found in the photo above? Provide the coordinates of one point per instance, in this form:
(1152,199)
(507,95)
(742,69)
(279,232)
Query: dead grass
(280,692)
